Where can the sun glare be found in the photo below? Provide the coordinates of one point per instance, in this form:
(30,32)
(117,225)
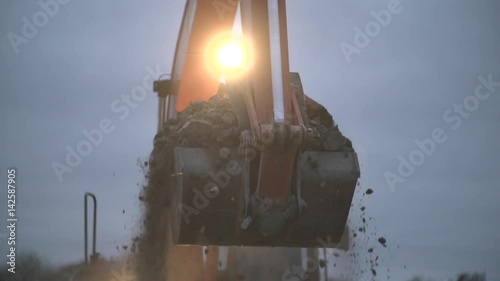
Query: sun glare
(231,56)
(228,56)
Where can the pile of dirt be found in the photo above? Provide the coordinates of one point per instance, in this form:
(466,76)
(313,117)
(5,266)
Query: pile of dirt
(202,124)
(214,123)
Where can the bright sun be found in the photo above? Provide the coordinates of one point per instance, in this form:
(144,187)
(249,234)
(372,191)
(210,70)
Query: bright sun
(228,56)
(231,55)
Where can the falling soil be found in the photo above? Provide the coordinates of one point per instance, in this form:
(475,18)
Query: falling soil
(367,244)
(382,241)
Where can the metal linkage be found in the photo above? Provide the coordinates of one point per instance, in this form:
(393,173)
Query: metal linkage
(162,87)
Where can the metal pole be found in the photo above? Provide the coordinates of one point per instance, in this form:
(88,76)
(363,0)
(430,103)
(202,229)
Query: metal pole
(87,194)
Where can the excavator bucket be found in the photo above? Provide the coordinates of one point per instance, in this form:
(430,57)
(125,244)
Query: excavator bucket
(212,182)
(212,211)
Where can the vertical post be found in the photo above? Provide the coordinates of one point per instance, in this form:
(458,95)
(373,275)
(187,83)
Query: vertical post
(88,194)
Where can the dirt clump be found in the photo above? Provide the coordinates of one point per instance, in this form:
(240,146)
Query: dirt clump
(382,241)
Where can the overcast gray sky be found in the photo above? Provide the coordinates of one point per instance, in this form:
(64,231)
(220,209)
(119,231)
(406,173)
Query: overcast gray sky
(394,90)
